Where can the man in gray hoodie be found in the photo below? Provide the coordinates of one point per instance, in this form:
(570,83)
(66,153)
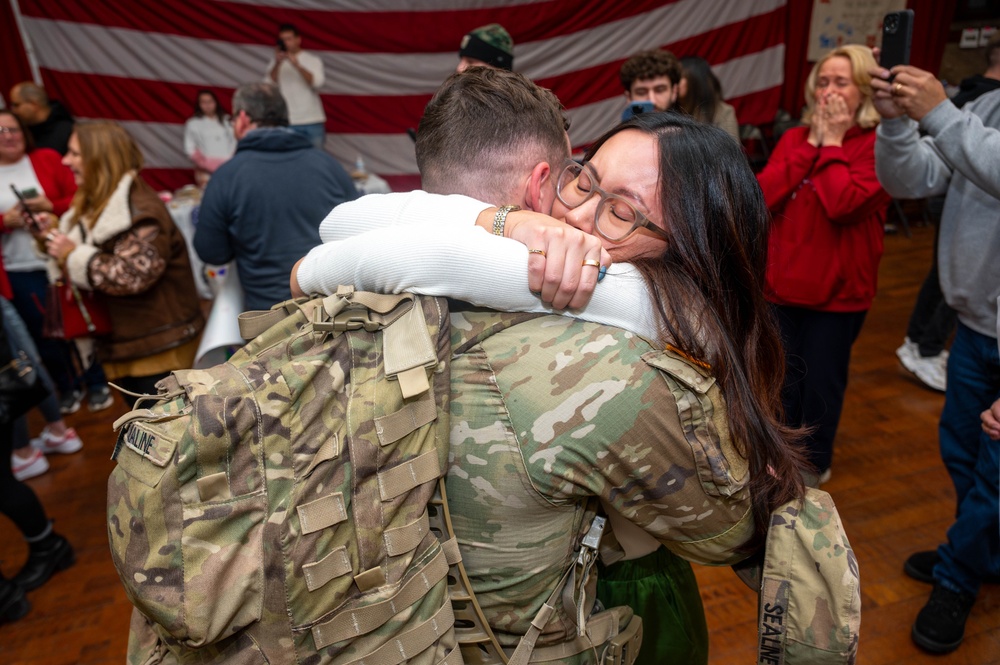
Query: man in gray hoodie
(959,157)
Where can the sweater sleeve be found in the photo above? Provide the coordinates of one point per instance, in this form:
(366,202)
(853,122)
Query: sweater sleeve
(967,145)
(845,181)
(55,178)
(469,264)
(135,264)
(400,209)
(790,163)
(907,166)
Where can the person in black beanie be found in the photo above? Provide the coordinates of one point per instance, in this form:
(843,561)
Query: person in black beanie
(486,46)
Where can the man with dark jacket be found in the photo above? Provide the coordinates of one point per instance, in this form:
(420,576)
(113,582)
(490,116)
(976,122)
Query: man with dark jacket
(263,207)
(49,121)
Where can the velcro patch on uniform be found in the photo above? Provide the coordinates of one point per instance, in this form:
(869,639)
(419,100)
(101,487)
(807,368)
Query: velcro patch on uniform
(150,443)
(683,370)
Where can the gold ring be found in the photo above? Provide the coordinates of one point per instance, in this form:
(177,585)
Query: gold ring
(537,251)
(897,88)
(592,262)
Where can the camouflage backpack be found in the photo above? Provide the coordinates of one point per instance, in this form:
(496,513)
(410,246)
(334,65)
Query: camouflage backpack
(275,507)
(809,611)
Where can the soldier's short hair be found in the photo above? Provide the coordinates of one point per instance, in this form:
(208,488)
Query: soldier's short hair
(648,65)
(263,104)
(484,129)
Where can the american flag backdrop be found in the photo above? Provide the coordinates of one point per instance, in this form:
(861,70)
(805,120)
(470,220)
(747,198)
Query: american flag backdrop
(141,63)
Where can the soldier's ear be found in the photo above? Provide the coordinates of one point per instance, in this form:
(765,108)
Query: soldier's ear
(539,189)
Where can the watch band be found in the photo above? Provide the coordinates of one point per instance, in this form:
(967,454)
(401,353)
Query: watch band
(500,218)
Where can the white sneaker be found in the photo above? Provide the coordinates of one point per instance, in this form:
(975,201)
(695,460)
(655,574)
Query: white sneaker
(908,352)
(931,370)
(48,442)
(35,465)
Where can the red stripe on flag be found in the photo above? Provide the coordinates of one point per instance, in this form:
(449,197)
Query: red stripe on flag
(356,32)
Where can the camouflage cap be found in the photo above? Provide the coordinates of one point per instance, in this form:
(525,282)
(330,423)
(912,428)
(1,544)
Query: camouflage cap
(491,44)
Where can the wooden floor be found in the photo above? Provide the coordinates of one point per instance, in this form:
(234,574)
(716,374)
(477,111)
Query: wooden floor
(888,482)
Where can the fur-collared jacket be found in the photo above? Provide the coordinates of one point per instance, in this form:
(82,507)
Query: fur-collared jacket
(137,258)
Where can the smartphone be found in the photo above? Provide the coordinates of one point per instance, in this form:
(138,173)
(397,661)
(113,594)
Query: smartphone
(281,44)
(33,224)
(897,35)
(29,193)
(635,108)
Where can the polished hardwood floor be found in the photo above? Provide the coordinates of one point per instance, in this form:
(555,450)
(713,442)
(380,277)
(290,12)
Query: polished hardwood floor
(888,482)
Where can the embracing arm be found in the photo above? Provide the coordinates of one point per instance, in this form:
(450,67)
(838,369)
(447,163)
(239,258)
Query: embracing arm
(418,208)
(466,263)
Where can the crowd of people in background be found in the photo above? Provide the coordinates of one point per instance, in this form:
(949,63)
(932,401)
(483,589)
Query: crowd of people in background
(89,220)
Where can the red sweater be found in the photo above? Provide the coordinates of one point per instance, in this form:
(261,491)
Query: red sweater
(59,186)
(828,212)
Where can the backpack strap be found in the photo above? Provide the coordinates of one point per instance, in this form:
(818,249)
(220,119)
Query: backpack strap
(473,628)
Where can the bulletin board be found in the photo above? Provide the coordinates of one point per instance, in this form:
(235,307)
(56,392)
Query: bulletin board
(838,22)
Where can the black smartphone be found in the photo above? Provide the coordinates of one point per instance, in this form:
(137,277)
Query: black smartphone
(33,224)
(897,35)
(281,44)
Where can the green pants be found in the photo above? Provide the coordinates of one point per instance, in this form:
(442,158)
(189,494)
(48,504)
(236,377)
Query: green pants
(661,588)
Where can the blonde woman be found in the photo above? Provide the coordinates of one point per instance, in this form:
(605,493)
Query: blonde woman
(118,239)
(828,212)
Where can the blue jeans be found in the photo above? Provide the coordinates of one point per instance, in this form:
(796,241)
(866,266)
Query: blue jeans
(20,340)
(315,132)
(973,547)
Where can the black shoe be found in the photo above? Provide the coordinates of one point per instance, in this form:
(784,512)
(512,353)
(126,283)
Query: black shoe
(920,566)
(13,603)
(43,564)
(940,626)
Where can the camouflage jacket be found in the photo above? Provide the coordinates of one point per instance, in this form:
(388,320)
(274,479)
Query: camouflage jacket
(548,414)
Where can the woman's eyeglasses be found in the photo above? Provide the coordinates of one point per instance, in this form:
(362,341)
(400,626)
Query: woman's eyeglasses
(10,130)
(615,218)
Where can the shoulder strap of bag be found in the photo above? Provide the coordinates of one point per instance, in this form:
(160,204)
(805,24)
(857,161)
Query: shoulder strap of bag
(570,588)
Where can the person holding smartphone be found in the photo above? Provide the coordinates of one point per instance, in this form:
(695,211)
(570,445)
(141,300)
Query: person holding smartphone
(299,75)
(927,146)
(33,183)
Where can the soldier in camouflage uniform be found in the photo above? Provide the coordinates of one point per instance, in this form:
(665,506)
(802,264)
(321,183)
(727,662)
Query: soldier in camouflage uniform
(588,414)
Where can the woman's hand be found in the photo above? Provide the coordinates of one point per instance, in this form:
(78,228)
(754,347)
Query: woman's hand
(58,246)
(557,252)
(817,125)
(838,120)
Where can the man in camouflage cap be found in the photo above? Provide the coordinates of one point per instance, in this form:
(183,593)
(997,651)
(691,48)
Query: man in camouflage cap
(551,416)
(486,46)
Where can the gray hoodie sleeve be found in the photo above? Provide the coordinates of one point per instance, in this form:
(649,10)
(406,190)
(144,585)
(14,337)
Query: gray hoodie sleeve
(911,167)
(967,145)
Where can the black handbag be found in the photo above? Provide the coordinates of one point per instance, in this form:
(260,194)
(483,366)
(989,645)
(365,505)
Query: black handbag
(21,387)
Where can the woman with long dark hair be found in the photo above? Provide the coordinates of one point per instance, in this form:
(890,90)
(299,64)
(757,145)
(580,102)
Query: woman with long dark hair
(676,200)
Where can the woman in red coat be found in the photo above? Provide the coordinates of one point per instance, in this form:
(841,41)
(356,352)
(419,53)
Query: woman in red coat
(828,212)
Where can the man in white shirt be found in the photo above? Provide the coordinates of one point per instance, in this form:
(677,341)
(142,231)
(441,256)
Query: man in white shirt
(299,75)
